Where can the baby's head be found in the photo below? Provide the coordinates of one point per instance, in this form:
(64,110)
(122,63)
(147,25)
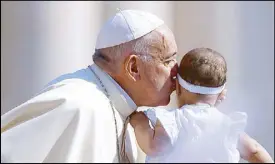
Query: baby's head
(201,77)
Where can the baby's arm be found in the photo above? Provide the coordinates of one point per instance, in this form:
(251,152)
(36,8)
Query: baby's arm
(251,151)
(149,140)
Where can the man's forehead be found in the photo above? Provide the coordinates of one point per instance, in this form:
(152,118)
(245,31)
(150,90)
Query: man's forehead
(171,48)
(167,47)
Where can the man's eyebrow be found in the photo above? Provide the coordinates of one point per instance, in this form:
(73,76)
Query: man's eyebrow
(169,57)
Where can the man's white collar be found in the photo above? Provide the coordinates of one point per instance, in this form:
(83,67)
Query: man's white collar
(128,99)
(122,101)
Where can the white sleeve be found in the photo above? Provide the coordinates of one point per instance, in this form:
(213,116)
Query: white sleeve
(151,114)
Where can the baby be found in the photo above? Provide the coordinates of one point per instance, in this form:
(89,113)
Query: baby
(197,131)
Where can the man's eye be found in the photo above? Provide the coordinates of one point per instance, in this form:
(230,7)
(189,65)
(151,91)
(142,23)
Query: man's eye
(168,62)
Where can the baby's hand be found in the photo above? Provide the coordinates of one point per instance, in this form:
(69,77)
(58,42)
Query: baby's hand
(138,118)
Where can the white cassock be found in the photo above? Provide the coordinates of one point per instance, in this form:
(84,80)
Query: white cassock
(70,121)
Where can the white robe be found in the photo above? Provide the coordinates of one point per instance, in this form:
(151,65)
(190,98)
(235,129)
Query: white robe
(70,121)
(198,133)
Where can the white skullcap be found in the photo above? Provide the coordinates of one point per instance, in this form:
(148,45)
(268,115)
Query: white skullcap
(125,26)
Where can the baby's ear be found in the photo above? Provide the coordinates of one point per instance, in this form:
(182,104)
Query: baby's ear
(221,97)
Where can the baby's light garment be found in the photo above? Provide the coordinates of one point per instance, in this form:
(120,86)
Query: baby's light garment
(199,133)
(171,123)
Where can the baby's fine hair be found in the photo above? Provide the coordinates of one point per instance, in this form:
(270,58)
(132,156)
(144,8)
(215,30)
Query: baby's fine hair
(203,67)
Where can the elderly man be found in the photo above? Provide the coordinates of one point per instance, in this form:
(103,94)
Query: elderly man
(79,117)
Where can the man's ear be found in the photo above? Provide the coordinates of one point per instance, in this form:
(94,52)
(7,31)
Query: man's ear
(131,67)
